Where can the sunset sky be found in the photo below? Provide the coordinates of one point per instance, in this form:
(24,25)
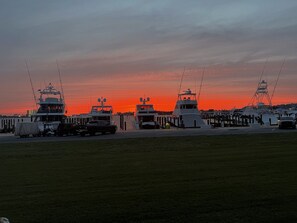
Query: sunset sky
(124,49)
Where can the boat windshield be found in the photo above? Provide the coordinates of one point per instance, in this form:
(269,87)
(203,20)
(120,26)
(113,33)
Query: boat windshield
(188,106)
(144,107)
(106,109)
(287,118)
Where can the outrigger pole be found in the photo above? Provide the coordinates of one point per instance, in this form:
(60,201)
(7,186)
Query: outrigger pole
(60,79)
(278,78)
(264,67)
(61,84)
(202,78)
(182,77)
(28,71)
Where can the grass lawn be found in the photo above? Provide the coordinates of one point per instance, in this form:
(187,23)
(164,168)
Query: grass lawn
(239,178)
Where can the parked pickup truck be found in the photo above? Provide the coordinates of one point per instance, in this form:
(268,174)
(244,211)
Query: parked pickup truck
(287,122)
(101,126)
(67,129)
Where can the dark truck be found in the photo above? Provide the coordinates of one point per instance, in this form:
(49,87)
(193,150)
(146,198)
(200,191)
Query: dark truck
(67,129)
(287,122)
(101,126)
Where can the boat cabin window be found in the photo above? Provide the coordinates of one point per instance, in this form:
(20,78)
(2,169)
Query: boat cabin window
(105,118)
(188,107)
(50,109)
(99,122)
(52,100)
(50,118)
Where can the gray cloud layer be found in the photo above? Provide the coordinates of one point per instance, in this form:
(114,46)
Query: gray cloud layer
(98,38)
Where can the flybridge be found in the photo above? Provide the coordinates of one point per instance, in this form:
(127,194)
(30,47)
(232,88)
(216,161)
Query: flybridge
(102,111)
(187,97)
(102,108)
(144,107)
(50,90)
(50,95)
(187,92)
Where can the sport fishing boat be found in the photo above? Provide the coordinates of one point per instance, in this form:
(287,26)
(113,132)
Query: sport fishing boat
(186,113)
(51,105)
(145,115)
(102,111)
(261,106)
(49,115)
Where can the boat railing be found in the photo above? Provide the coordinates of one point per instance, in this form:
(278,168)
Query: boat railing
(50,111)
(147,111)
(189,111)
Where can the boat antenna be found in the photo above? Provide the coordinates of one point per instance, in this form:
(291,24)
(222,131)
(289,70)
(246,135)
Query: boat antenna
(29,74)
(181,80)
(62,91)
(278,78)
(201,84)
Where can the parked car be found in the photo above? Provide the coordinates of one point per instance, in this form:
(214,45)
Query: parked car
(287,122)
(98,126)
(149,125)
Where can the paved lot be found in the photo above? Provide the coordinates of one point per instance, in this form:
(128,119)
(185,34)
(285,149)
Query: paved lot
(9,138)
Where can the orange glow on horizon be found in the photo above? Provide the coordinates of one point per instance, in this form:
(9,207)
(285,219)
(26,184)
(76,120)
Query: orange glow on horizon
(165,103)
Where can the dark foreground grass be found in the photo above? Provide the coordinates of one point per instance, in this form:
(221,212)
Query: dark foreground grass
(243,178)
